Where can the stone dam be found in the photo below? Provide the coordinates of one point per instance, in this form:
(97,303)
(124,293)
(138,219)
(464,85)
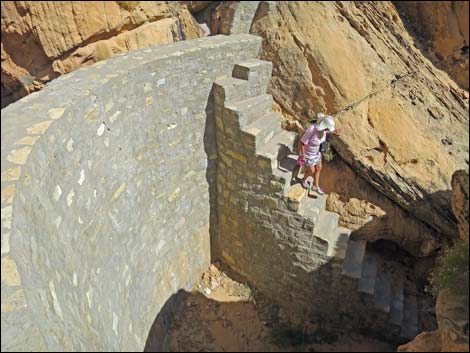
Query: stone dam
(123,180)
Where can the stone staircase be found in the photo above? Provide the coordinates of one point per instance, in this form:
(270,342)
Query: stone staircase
(245,106)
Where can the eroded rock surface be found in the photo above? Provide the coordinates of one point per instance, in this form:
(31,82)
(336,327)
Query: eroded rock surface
(42,40)
(408,138)
(460,201)
(441,27)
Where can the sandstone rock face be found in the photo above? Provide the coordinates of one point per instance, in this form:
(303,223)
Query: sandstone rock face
(424,342)
(196,6)
(452,317)
(371,215)
(452,335)
(460,201)
(406,139)
(42,40)
(442,29)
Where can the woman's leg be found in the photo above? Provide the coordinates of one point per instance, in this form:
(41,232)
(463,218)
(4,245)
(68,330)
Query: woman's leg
(316,174)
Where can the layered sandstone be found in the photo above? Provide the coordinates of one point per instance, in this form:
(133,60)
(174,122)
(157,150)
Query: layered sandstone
(460,201)
(408,131)
(441,27)
(452,334)
(44,39)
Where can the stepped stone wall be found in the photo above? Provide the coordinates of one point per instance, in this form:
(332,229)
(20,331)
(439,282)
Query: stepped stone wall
(106,178)
(280,238)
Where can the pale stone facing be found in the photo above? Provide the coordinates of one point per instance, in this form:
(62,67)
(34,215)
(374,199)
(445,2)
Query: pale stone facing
(119,191)
(6,215)
(55,301)
(13,302)
(39,128)
(125,197)
(10,275)
(5,242)
(19,156)
(57,192)
(11,174)
(27,140)
(56,113)
(7,194)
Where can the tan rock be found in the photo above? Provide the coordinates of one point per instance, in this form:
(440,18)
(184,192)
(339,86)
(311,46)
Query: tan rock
(442,29)
(42,40)
(460,201)
(370,214)
(327,55)
(452,317)
(424,342)
(195,6)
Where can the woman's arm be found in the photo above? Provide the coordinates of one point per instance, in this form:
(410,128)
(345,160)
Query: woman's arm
(336,132)
(302,149)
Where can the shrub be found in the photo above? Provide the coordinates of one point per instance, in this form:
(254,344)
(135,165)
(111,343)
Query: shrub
(452,272)
(287,336)
(329,153)
(128,5)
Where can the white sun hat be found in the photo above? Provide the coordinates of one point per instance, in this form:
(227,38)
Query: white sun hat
(326,122)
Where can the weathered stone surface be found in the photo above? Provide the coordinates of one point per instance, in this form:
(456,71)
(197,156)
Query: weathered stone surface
(107,222)
(229,17)
(424,342)
(307,261)
(460,196)
(370,214)
(327,55)
(452,334)
(442,29)
(195,6)
(42,40)
(452,317)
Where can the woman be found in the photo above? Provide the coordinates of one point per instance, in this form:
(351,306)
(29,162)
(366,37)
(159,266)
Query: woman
(310,149)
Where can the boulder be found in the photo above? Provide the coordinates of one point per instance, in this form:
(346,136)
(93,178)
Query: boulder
(424,342)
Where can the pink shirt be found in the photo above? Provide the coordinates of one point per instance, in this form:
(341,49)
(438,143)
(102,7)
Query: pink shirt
(312,141)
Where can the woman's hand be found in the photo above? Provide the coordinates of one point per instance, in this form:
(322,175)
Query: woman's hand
(337,132)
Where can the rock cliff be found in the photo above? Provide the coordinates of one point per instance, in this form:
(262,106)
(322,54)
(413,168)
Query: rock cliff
(460,201)
(407,132)
(441,28)
(42,40)
(451,308)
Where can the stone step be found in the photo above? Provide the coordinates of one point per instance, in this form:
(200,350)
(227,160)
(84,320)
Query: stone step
(279,147)
(314,206)
(257,72)
(397,304)
(383,289)
(327,225)
(369,274)
(288,163)
(352,266)
(338,243)
(235,89)
(285,168)
(265,127)
(294,197)
(409,327)
(250,109)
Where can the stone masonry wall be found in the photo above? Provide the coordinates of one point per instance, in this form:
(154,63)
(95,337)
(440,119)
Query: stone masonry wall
(282,240)
(107,177)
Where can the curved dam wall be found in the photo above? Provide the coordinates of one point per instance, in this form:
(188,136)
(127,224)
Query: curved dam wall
(107,184)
